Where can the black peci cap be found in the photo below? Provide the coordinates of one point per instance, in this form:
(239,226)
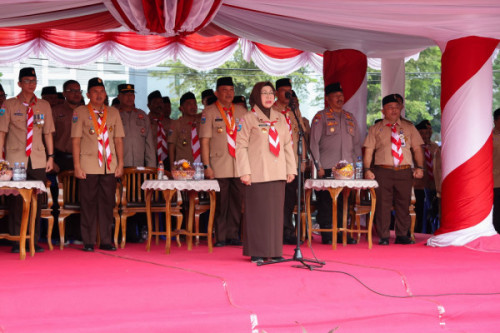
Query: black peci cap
(95,82)
(153,95)
(50,90)
(424,124)
(283,83)
(166,99)
(26,71)
(333,87)
(187,96)
(225,81)
(239,99)
(207,93)
(392,98)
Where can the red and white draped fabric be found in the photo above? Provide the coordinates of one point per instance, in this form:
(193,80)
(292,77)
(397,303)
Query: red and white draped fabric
(397,152)
(429,162)
(349,68)
(103,144)
(30,118)
(161,141)
(467,167)
(195,144)
(164,17)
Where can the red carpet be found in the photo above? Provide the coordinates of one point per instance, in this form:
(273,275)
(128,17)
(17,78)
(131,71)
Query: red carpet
(411,288)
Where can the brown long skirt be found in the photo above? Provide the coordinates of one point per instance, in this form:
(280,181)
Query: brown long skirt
(263,236)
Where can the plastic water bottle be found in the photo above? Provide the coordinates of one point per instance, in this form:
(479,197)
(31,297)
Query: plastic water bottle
(16,172)
(198,173)
(160,170)
(359,168)
(22,171)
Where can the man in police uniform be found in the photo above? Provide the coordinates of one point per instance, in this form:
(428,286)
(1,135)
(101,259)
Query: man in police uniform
(334,137)
(25,123)
(138,146)
(157,119)
(50,95)
(97,135)
(63,115)
(282,105)
(220,121)
(392,140)
(179,136)
(425,188)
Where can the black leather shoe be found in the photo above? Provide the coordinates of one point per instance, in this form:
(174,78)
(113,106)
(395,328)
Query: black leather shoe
(38,248)
(88,248)
(404,240)
(220,244)
(326,241)
(383,241)
(107,247)
(290,240)
(351,240)
(235,242)
(277,259)
(15,249)
(257,260)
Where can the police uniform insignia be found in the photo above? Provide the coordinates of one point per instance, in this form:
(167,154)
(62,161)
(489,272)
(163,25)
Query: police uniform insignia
(317,118)
(330,123)
(141,116)
(347,115)
(351,130)
(350,123)
(332,129)
(2,112)
(143,130)
(129,86)
(184,142)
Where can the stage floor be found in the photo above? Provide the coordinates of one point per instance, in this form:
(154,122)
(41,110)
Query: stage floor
(395,288)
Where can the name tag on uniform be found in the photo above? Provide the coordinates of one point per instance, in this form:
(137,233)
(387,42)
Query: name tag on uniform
(263,125)
(18,113)
(218,119)
(402,138)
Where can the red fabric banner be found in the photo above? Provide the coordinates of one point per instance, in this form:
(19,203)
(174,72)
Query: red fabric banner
(153,13)
(347,67)
(278,52)
(93,22)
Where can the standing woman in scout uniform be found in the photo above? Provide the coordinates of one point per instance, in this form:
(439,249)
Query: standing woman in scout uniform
(138,146)
(220,126)
(183,137)
(334,137)
(392,140)
(24,121)
(97,135)
(265,162)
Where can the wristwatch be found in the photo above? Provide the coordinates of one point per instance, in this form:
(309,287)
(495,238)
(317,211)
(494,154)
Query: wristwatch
(206,166)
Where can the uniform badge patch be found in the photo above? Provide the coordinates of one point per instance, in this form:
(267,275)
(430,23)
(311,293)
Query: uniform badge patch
(143,130)
(239,127)
(2,112)
(203,120)
(140,115)
(75,117)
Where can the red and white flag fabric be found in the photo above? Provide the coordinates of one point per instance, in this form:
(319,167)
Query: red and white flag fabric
(195,144)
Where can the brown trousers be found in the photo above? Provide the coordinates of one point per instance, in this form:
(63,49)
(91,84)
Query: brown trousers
(290,202)
(394,189)
(228,209)
(15,203)
(97,200)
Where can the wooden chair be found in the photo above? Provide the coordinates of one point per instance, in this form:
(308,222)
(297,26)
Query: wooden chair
(69,202)
(46,213)
(133,201)
(202,205)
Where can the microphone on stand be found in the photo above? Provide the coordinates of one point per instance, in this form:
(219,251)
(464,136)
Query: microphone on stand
(291,102)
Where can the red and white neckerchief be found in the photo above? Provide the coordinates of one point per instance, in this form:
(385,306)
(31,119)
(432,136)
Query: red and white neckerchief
(288,121)
(30,118)
(428,162)
(195,144)
(274,139)
(230,122)
(397,152)
(161,141)
(101,130)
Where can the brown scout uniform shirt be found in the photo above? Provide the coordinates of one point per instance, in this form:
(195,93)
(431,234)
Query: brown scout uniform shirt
(496,158)
(139,149)
(214,128)
(13,122)
(81,128)
(295,126)
(334,137)
(426,182)
(379,139)
(253,156)
(180,136)
(63,115)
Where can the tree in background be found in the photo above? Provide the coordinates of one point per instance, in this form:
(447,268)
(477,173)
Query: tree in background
(245,75)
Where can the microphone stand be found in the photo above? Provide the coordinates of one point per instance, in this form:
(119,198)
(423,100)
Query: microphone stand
(297,256)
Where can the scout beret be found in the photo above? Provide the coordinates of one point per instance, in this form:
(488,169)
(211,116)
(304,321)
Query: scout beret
(186,96)
(424,124)
(153,95)
(333,87)
(95,82)
(239,99)
(392,98)
(283,83)
(225,81)
(166,99)
(207,93)
(125,88)
(51,90)
(26,71)
(1,88)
